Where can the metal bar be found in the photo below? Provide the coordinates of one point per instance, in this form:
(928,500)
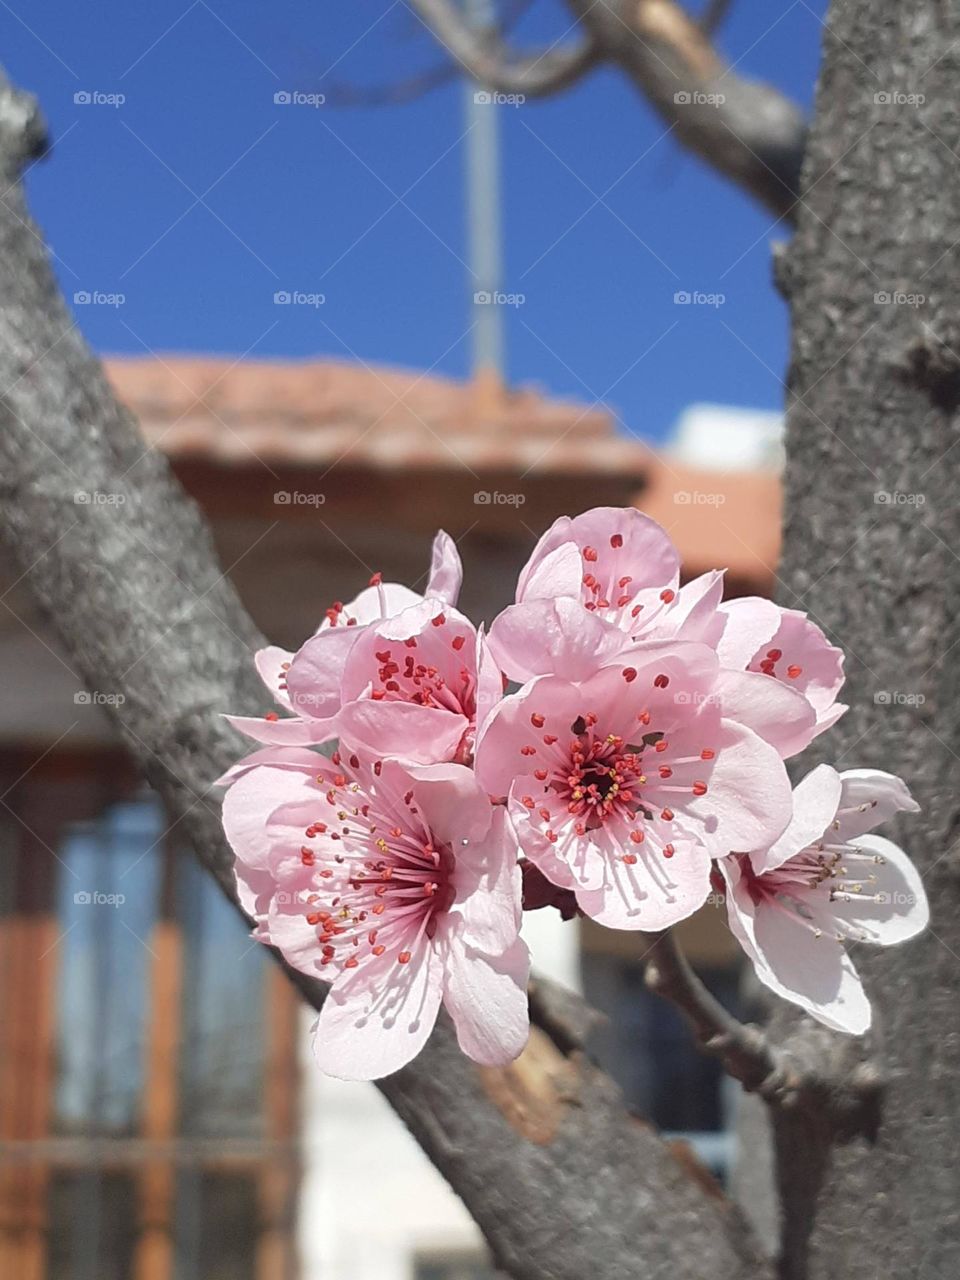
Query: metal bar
(483,209)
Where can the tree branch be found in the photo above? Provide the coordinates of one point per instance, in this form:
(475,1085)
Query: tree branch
(562,1180)
(743,1050)
(481,55)
(812,1078)
(713,15)
(410,88)
(746,130)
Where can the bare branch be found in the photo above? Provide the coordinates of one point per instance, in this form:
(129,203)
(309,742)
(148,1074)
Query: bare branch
(562,1180)
(815,1076)
(748,131)
(416,86)
(481,55)
(396,94)
(744,1050)
(713,15)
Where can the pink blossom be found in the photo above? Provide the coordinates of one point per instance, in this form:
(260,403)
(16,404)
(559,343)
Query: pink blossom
(417,685)
(822,883)
(619,566)
(399,884)
(759,636)
(625,781)
(308,683)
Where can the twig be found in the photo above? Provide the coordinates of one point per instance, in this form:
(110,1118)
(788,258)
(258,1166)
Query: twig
(532,74)
(742,1048)
(813,1074)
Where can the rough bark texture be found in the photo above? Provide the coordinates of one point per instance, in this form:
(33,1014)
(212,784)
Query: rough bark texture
(563,1182)
(872,546)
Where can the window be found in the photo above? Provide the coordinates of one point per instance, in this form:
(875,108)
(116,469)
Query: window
(147,1053)
(647,1047)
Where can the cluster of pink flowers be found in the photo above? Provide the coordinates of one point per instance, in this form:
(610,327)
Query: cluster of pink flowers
(638,766)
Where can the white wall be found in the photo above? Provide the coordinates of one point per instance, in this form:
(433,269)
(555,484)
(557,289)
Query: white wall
(370,1199)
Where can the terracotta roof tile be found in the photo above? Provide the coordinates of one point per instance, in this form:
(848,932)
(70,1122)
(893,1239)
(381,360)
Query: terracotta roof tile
(719,519)
(314,413)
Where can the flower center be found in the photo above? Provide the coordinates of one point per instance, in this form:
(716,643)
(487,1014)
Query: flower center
(808,886)
(401,677)
(606,590)
(628,788)
(768,665)
(386,888)
(600,779)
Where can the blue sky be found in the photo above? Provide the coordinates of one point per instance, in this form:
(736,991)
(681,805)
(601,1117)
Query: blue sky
(199,198)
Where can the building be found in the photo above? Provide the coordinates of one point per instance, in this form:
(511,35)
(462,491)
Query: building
(156,1118)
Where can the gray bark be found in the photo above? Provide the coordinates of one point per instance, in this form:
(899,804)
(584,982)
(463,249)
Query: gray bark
(874,389)
(561,1179)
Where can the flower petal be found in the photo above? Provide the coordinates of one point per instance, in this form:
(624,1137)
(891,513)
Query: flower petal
(695,613)
(452,803)
(246,808)
(489,679)
(751,623)
(811,663)
(446,569)
(556,571)
(655,892)
(374,1023)
(815,803)
(281,757)
(423,734)
(813,972)
(373,603)
(896,908)
(780,715)
(624,541)
(552,637)
(487,998)
(291,731)
(316,672)
(868,798)
(748,803)
(488,887)
(272,664)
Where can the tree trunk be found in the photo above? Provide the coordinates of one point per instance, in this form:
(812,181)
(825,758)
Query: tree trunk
(872,546)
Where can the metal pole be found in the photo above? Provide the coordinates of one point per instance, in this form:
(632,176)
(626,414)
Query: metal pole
(483,208)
